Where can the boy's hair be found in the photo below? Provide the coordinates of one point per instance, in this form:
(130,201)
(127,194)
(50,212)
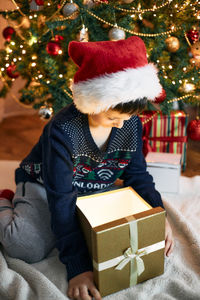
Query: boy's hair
(131,107)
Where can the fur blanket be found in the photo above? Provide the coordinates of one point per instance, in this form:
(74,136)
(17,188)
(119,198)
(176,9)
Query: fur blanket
(46,280)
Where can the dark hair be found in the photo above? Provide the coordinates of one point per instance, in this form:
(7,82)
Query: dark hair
(131,107)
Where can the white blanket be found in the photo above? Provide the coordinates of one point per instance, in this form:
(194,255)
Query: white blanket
(46,280)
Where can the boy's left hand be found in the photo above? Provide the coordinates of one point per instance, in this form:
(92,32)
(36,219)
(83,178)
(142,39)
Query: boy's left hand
(169,239)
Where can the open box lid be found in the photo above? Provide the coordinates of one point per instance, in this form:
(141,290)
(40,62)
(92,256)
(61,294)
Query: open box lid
(110,206)
(161,159)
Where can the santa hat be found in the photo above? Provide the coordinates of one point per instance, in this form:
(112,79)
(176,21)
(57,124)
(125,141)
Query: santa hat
(112,72)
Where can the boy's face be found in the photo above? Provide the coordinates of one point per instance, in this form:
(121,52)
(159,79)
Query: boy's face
(109,118)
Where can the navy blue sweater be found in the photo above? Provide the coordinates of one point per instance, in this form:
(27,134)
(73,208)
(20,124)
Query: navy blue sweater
(67,162)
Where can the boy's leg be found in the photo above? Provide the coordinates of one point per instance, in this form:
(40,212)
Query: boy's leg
(25,230)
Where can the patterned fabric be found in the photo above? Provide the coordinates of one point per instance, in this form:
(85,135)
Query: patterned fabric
(93,169)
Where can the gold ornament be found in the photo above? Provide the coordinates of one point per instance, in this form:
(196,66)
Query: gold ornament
(195,53)
(116,34)
(187,87)
(172,44)
(83,34)
(70,9)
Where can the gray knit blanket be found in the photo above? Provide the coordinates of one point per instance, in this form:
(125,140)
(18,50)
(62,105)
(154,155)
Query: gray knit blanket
(46,280)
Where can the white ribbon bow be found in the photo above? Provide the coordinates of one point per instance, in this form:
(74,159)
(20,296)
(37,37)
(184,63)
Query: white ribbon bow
(129,255)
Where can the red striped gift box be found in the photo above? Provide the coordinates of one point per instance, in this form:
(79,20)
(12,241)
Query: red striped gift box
(165,133)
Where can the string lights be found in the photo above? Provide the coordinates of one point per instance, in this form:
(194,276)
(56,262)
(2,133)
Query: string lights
(137,11)
(131,31)
(141,11)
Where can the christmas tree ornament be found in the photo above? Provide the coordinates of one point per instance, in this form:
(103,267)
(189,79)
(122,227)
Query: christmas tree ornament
(187,87)
(11,71)
(193,35)
(70,9)
(116,34)
(172,43)
(45,112)
(83,34)
(8,32)
(89,3)
(39,2)
(53,48)
(195,54)
(34,6)
(58,38)
(193,129)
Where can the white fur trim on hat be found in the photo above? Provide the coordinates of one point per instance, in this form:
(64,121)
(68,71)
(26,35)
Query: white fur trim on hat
(95,95)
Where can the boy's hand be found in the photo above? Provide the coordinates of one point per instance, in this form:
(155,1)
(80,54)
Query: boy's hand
(169,240)
(81,287)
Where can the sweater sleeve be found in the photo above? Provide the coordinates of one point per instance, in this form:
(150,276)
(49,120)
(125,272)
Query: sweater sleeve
(136,175)
(58,174)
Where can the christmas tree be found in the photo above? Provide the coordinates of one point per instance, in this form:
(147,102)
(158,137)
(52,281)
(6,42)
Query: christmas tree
(39,31)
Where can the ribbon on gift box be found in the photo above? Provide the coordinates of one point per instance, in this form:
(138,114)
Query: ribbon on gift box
(160,126)
(146,138)
(132,255)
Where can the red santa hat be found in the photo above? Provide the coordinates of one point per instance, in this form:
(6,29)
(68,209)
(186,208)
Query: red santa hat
(112,72)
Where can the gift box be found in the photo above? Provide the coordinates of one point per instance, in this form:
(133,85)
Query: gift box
(125,237)
(165,133)
(165,169)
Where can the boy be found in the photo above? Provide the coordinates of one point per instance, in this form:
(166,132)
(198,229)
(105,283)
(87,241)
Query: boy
(84,148)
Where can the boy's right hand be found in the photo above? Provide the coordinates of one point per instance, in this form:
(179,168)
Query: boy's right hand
(81,287)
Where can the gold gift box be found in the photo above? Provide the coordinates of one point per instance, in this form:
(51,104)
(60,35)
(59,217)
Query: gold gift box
(125,237)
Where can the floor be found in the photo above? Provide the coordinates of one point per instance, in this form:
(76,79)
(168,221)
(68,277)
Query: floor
(19,134)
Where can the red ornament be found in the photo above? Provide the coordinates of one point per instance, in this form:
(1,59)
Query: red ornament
(8,32)
(39,2)
(58,38)
(53,48)
(193,130)
(11,71)
(193,36)
(161,97)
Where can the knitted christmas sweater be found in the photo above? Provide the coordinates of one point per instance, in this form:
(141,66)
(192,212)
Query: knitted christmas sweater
(67,162)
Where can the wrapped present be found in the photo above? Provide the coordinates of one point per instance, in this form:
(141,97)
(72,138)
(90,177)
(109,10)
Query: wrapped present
(125,237)
(165,133)
(165,169)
